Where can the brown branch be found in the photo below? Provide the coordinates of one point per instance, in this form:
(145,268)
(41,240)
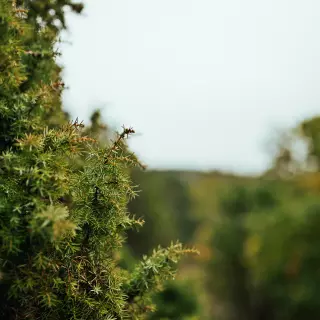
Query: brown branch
(125,132)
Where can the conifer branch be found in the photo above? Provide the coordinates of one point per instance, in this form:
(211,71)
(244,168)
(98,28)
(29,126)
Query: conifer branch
(63,197)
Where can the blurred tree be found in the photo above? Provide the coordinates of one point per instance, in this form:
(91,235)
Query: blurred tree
(266,253)
(297,150)
(310,131)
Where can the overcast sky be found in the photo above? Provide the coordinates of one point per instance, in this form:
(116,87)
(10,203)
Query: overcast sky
(203,82)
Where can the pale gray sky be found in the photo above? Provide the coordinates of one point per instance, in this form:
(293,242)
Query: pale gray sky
(202,81)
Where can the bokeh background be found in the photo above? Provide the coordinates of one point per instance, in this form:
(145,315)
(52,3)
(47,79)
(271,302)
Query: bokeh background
(224,96)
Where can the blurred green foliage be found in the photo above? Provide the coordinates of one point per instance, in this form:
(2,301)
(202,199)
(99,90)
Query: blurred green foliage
(259,237)
(164,202)
(177,301)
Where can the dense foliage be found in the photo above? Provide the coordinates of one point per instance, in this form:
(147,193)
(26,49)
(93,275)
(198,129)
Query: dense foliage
(63,193)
